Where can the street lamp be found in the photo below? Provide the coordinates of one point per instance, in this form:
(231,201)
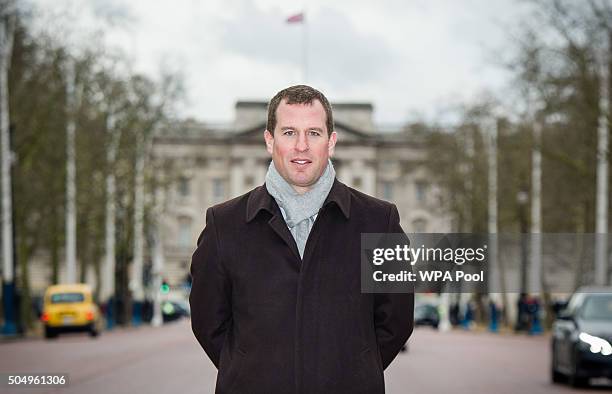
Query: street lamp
(521,198)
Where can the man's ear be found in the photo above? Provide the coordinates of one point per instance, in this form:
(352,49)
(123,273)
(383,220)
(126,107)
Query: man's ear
(332,143)
(269,141)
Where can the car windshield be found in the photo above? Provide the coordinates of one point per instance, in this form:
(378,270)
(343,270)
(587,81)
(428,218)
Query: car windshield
(62,298)
(597,307)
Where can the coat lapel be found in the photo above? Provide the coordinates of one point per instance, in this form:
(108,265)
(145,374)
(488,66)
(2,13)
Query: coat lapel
(280,228)
(260,200)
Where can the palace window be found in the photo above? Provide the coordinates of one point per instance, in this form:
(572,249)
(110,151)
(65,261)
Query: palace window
(183,186)
(184,232)
(421,191)
(387,190)
(218,190)
(419,225)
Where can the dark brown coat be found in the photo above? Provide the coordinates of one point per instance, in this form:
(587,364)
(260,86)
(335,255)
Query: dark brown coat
(272,323)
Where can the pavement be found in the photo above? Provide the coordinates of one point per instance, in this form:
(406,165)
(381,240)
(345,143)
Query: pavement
(168,359)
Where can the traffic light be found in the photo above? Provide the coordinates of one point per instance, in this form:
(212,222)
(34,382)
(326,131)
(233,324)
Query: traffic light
(165,288)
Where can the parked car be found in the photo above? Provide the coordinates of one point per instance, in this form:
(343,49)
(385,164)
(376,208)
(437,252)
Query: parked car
(70,308)
(426,315)
(582,337)
(174,310)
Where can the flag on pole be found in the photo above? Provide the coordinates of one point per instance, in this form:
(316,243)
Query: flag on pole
(297,18)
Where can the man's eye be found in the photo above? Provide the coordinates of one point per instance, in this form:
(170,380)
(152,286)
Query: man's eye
(288,132)
(314,133)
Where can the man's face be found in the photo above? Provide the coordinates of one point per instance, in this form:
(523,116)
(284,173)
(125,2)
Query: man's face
(300,145)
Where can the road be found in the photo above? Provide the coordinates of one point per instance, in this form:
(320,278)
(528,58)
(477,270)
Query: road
(169,360)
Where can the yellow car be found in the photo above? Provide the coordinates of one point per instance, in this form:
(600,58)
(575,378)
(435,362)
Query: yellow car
(70,308)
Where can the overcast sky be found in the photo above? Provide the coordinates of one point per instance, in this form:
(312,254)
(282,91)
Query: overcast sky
(410,59)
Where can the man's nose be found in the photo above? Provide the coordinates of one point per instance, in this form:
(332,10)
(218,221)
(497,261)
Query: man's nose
(301,144)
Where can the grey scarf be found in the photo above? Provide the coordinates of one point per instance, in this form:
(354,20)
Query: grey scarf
(299,210)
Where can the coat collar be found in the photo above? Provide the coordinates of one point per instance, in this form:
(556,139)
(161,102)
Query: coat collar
(260,199)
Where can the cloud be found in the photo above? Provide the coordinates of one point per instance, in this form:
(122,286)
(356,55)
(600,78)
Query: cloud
(401,56)
(338,52)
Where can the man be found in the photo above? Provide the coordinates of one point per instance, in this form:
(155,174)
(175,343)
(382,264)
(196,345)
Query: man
(276,301)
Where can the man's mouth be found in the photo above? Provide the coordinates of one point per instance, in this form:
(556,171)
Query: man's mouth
(301,162)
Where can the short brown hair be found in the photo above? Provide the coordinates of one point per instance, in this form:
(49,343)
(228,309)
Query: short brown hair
(299,94)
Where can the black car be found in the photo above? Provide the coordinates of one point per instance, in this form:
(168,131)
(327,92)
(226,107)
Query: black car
(582,337)
(426,315)
(173,310)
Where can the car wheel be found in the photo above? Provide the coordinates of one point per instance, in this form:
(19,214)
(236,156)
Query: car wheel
(574,379)
(555,376)
(578,381)
(50,333)
(93,331)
